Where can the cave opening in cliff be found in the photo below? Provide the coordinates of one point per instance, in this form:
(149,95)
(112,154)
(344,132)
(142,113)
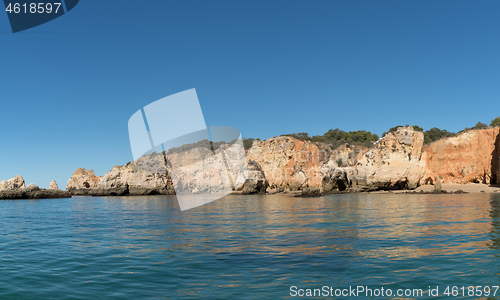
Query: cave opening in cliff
(341,185)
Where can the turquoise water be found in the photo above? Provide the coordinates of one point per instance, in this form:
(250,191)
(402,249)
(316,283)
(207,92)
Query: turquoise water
(247,247)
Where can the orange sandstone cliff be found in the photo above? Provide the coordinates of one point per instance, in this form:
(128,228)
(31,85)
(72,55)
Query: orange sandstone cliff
(469,157)
(397,161)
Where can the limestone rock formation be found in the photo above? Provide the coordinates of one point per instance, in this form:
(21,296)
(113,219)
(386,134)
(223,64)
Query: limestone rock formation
(393,162)
(121,180)
(289,163)
(397,161)
(339,170)
(25,193)
(197,170)
(15,188)
(13,183)
(495,161)
(469,157)
(83,179)
(256,182)
(310,192)
(53,185)
(32,187)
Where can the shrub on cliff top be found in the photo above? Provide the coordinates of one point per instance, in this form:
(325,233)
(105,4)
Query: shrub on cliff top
(247,143)
(392,129)
(435,134)
(479,125)
(495,122)
(395,128)
(418,128)
(337,137)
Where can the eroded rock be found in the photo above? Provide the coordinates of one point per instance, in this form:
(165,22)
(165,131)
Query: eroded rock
(256,182)
(469,157)
(32,187)
(53,185)
(13,183)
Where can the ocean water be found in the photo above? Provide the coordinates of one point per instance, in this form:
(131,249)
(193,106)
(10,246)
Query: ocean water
(250,247)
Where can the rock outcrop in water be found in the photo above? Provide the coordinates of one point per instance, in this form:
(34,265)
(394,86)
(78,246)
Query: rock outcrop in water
(197,169)
(257,182)
(398,161)
(121,180)
(33,194)
(15,188)
(13,183)
(53,185)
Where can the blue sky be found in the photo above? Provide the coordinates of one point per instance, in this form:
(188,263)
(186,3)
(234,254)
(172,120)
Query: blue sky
(68,87)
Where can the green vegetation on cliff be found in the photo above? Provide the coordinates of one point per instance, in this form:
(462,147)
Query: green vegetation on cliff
(479,125)
(247,143)
(430,135)
(337,137)
(435,134)
(495,122)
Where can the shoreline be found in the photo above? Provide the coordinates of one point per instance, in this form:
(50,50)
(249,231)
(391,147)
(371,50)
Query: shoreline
(447,188)
(471,188)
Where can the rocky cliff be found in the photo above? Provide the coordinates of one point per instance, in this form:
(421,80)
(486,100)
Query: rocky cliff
(121,180)
(197,170)
(15,188)
(397,161)
(495,162)
(393,162)
(289,163)
(469,157)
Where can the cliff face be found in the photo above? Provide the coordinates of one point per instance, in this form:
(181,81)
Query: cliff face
(398,161)
(289,163)
(121,180)
(469,157)
(292,164)
(196,170)
(496,160)
(393,162)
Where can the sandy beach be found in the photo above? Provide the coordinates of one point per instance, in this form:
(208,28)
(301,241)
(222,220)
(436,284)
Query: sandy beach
(469,187)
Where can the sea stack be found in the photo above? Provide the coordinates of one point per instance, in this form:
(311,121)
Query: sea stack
(53,185)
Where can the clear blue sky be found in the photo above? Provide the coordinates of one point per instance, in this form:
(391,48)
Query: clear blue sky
(68,87)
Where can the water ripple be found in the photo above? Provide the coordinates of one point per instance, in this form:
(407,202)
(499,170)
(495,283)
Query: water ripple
(244,247)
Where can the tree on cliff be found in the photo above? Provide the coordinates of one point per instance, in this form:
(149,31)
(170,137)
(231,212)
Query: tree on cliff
(430,135)
(418,128)
(479,125)
(495,122)
(247,143)
(304,136)
(337,137)
(435,134)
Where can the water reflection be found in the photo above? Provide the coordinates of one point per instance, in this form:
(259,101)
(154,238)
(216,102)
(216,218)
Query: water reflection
(495,222)
(409,226)
(251,247)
